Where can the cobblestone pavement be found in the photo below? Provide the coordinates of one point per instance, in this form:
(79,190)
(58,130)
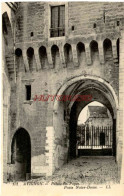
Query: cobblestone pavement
(84,170)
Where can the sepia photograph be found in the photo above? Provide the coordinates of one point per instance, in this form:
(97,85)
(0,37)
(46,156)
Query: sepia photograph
(62,97)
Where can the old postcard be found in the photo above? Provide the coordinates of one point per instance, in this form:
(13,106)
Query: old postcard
(62,101)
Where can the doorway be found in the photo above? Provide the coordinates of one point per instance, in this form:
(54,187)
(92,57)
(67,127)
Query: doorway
(21,155)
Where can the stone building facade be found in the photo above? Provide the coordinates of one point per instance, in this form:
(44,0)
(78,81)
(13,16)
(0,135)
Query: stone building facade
(98,116)
(82,54)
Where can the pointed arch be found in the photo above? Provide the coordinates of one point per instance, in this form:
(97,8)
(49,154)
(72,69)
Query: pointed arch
(21,154)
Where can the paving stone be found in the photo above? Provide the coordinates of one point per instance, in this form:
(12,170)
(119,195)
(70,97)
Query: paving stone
(85,170)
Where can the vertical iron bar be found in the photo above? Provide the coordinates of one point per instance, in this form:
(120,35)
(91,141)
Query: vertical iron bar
(106,142)
(110,137)
(89,136)
(105,134)
(105,128)
(108,130)
(102,133)
(80,137)
(93,137)
(97,136)
(85,136)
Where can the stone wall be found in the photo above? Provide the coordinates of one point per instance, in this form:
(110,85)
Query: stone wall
(105,15)
(5,118)
(105,122)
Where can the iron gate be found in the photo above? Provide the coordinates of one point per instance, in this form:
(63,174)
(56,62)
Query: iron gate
(95,140)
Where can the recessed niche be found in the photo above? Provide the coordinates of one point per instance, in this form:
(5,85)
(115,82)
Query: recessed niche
(94,25)
(72,28)
(32,34)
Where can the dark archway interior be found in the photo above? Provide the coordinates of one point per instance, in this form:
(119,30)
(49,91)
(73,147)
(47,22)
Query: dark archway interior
(66,113)
(75,111)
(21,153)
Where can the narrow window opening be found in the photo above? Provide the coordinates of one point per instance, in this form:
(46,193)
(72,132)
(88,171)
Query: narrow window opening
(104,16)
(118,23)
(94,25)
(32,34)
(72,28)
(28,92)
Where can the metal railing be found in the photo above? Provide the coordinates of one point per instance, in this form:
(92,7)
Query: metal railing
(57,32)
(95,137)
